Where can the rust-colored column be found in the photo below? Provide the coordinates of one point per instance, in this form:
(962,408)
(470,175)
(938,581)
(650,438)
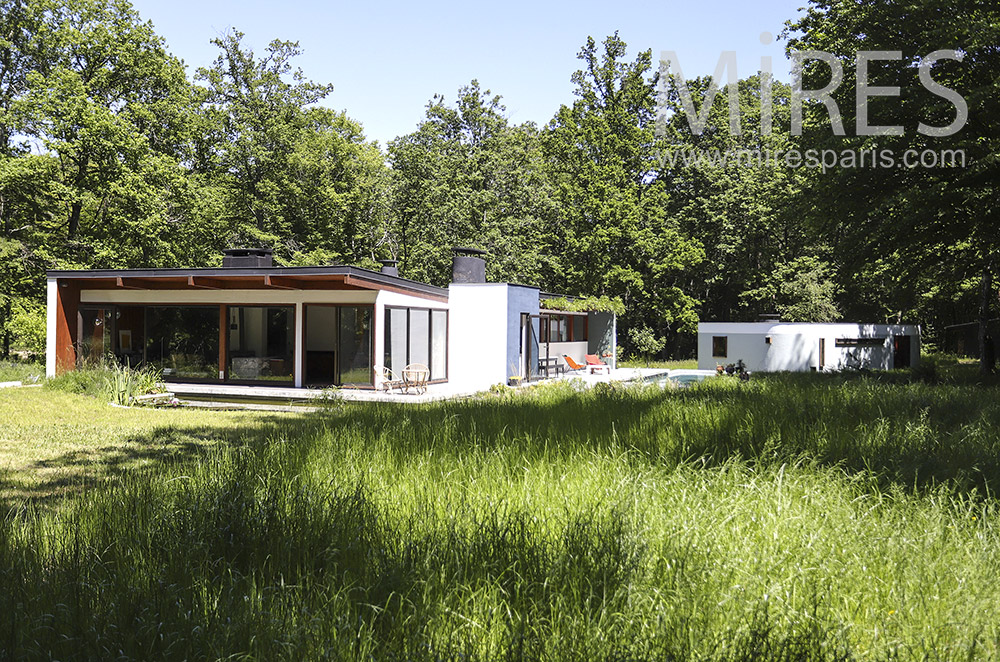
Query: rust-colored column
(67,307)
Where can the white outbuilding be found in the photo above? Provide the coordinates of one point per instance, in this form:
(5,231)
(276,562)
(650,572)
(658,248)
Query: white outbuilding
(800,347)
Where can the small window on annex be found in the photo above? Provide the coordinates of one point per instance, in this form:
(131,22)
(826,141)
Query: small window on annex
(417,335)
(720,346)
(261,343)
(183,341)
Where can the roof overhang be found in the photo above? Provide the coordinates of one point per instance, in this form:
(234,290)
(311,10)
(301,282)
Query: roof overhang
(272,278)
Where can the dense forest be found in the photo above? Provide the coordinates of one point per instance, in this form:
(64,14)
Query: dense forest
(113,155)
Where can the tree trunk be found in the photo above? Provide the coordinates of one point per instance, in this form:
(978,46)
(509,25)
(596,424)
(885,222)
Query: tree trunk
(74,219)
(987,347)
(6,331)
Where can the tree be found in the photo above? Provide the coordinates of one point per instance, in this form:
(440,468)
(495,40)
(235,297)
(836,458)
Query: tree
(733,193)
(465,177)
(617,237)
(298,178)
(917,223)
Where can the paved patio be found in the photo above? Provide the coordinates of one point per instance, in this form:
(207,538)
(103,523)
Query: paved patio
(272,398)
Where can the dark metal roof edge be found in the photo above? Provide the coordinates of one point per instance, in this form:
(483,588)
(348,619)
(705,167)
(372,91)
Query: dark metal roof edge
(333,270)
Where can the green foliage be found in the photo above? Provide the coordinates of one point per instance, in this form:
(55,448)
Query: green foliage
(912,242)
(122,385)
(645,342)
(466,177)
(616,237)
(27,372)
(85,380)
(603,304)
(800,291)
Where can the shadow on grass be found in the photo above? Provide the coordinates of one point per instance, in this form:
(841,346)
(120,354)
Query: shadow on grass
(902,431)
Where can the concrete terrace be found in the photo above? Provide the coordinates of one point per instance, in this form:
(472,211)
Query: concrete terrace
(273,398)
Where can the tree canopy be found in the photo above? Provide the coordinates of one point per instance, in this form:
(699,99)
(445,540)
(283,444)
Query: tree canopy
(113,155)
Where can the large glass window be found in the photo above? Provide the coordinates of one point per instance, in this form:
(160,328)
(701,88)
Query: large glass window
(130,332)
(355,344)
(182,341)
(439,344)
(417,335)
(96,339)
(261,343)
(420,336)
(321,344)
(338,344)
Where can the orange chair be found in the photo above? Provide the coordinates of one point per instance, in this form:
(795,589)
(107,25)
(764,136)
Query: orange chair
(595,364)
(592,369)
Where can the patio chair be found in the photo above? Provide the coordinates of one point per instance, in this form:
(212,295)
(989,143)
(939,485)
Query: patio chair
(415,376)
(596,364)
(390,380)
(592,369)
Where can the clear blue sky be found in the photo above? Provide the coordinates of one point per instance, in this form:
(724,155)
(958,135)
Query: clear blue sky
(386,60)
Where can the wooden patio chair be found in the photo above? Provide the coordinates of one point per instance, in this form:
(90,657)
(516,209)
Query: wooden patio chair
(415,376)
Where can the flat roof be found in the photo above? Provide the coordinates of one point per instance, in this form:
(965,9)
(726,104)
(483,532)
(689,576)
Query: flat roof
(323,277)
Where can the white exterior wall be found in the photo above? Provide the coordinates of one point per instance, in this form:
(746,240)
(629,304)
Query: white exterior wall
(577,350)
(795,346)
(478,335)
(51,311)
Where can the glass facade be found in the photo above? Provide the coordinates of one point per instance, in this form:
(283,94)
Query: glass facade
(355,344)
(339,345)
(183,342)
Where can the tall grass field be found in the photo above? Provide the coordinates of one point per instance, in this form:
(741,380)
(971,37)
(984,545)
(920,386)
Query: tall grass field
(792,517)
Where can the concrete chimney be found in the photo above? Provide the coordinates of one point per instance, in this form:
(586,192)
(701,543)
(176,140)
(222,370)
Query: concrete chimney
(247,258)
(468,266)
(389,267)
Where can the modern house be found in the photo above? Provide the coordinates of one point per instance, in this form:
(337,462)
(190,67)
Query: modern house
(775,346)
(250,322)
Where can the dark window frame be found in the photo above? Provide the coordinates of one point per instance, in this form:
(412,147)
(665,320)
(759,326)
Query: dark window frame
(305,327)
(386,330)
(717,342)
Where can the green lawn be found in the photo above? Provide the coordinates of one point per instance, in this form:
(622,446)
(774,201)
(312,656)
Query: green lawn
(798,517)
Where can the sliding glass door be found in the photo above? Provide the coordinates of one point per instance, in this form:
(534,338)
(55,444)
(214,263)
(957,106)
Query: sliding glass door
(338,345)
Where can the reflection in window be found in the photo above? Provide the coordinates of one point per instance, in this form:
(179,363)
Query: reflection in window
(720,346)
(183,342)
(261,343)
(95,342)
(355,344)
